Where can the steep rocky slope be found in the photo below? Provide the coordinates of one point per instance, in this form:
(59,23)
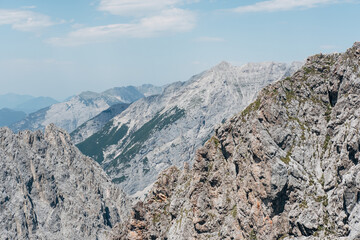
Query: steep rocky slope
(71,114)
(96,123)
(286,167)
(159,131)
(49,190)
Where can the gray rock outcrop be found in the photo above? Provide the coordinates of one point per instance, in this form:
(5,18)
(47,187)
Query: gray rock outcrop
(49,190)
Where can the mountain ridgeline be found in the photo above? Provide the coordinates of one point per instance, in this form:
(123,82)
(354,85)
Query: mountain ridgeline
(72,113)
(286,167)
(93,125)
(164,130)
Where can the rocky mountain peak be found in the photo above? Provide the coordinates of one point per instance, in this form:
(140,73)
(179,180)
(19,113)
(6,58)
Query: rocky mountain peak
(222,66)
(286,167)
(142,140)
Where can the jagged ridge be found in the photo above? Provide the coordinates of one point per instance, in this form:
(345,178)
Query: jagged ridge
(284,168)
(49,190)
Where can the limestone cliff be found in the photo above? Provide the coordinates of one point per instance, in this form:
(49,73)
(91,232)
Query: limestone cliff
(49,190)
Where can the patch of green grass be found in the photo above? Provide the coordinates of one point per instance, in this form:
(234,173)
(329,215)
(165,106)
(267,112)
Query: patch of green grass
(311,182)
(302,126)
(322,180)
(308,70)
(286,159)
(156,218)
(303,204)
(251,108)
(323,199)
(135,140)
(119,180)
(234,211)
(290,95)
(252,235)
(215,140)
(98,142)
(328,113)
(326,142)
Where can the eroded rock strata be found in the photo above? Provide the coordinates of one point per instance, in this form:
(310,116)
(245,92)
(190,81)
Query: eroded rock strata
(49,190)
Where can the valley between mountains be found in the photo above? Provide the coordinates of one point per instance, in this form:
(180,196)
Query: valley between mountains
(260,151)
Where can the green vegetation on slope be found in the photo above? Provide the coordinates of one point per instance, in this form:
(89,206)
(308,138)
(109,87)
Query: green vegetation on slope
(135,140)
(94,145)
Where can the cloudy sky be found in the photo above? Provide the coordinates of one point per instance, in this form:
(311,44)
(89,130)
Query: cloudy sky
(59,48)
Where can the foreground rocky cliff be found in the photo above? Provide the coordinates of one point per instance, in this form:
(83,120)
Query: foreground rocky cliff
(286,167)
(49,190)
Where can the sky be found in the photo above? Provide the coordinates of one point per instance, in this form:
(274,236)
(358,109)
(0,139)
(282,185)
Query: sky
(59,48)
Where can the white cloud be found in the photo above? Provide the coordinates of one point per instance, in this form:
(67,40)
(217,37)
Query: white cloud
(138,7)
(169,20)
(283,5)
(209,39)
(28,7)
(24,20)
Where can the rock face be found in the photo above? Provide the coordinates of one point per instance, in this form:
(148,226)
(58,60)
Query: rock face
(150,90)
(71,114)
(96,123)
(159,131)
(49,190)
(287,167)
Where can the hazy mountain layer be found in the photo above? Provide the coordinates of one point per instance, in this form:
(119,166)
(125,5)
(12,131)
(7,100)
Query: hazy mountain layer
(12,100)
(35,104)
(9,116)
(71,114)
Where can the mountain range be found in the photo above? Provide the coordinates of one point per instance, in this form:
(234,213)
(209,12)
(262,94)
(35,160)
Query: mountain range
(286,166)
(72,113)
(141,141)
(25,103)
(14,107)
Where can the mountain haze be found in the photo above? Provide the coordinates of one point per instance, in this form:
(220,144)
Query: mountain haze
(72,113)
(9,116)
(35,104)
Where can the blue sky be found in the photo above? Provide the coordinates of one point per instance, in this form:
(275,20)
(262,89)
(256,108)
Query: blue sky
(59,48)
